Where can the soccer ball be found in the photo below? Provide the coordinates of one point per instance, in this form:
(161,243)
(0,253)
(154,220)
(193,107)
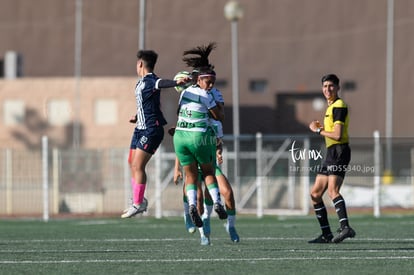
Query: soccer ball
(179,75)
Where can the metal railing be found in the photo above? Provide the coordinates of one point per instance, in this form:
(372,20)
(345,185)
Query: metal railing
(275,176)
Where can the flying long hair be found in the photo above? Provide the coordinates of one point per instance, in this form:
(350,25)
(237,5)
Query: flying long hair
(200,56)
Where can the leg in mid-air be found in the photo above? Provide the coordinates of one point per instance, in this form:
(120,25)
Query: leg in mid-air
(138,162)
(227,192)
(187,219)
(191,192)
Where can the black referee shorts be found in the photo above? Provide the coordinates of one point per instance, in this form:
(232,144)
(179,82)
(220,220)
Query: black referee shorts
(336,161)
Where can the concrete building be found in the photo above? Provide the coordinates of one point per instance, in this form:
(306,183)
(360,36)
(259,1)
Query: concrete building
(285,46)
(284,49)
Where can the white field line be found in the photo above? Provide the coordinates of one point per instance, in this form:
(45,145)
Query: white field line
(335,251)
(357,239)
(289,250)
(207,260)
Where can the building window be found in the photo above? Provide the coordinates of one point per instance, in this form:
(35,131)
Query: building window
(58,112)
(348,86)
(106,112)
(258,86)
(14,112)
(220,84)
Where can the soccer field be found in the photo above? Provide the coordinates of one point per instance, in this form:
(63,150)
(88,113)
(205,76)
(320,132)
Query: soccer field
(144,245)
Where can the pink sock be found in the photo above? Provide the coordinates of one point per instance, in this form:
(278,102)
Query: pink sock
(141,187)
(138,191)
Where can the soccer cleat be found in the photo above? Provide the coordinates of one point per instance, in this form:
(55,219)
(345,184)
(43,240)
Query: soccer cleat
(189,224)
(206,226)
(322,239)
(135,209)
(126,209)
(205,240)
(221,212)
(233,233)
(346,232)
(195,218)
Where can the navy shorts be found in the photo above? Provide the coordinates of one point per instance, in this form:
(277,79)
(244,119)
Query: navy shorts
(147,140)
(337,159)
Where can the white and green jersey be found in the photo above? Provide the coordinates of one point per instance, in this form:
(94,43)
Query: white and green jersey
(218,97)
(194,106)
(216,124)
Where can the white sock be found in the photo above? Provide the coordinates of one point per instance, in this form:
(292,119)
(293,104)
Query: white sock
(208,208)
(192,196)
(186,208)
(214,192)
(201,230)
(231,220)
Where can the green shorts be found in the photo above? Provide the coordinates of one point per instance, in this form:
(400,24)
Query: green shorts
(193,147)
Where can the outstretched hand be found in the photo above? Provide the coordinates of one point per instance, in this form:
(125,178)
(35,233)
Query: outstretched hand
(183,80)
(178,176)
(133,119)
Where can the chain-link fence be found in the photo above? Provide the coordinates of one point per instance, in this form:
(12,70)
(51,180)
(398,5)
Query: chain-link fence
(275,176)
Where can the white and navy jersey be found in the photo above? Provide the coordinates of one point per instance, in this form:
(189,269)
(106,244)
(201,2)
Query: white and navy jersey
(147,95)
(216,124)
(194,106)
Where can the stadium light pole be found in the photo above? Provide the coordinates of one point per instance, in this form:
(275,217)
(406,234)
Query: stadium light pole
(77,72)
(233,12)
(389,86)
(142,17)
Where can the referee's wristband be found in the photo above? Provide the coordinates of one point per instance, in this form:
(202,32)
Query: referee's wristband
(318,131)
